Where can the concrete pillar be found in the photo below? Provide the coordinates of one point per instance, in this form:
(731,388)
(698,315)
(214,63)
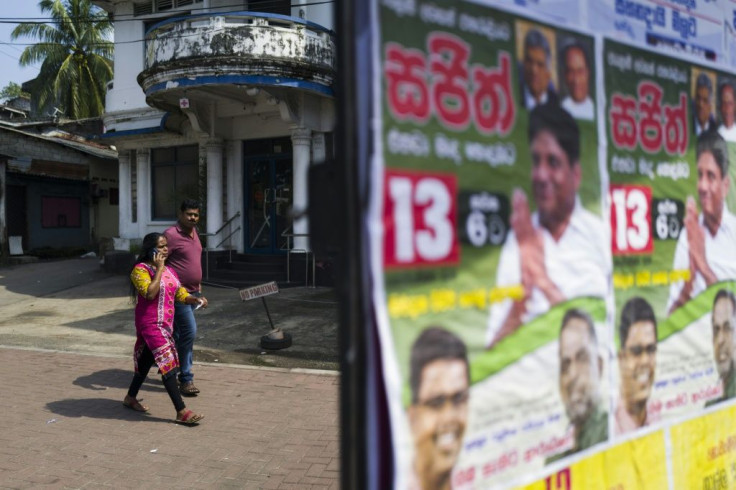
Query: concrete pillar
(301,139)
(125,213)
(234,181)
(214,190)
(143,189)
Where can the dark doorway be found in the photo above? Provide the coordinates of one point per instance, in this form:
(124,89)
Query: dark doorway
(269,196)
(16,212)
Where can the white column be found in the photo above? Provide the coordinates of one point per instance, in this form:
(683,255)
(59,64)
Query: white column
(214,190)
(234,180)
(301,139)
(125,204)
(143,189)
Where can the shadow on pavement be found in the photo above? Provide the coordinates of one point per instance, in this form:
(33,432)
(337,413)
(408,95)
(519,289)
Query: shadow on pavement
(49,277)
(228,331)
(117,378)
(99,408)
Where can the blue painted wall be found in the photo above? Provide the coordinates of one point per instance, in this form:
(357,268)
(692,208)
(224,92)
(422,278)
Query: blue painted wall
(38,187)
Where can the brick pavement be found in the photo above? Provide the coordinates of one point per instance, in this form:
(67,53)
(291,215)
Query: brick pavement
(63,426)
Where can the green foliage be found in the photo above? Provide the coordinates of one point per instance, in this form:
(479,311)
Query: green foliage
(12,90)
(75,55)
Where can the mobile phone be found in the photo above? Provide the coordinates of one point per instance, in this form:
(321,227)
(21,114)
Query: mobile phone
(152,254)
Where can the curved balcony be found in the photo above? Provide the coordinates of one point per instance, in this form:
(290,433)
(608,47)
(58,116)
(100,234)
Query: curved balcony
(236,49)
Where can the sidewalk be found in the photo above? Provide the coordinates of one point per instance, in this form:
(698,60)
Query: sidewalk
(72,305)
(66,340)
(63,426)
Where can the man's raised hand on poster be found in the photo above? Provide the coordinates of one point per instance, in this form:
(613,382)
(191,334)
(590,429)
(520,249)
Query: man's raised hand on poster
(696,240)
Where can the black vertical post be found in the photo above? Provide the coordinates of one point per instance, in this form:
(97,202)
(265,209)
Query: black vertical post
(263,298)
(353,89)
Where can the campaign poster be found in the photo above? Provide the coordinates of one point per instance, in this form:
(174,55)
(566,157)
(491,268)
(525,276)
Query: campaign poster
(672,236)
(635,464)
(704,451)
(559,12)
(680,27)
(493,272)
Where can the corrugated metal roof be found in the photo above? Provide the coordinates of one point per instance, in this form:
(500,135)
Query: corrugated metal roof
(66,139)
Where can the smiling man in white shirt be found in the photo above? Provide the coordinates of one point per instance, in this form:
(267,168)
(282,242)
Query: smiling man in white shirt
(727,129)
(707,245)
(560,251)
(577,78)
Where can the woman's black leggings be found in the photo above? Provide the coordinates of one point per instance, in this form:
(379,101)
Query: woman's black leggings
(144,365)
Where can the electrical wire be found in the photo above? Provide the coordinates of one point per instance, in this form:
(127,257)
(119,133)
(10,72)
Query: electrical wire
(134,41)
(265,5)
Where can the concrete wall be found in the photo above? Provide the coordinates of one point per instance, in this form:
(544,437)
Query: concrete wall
(38,187)
(104,219)
(126,94)
(319,14)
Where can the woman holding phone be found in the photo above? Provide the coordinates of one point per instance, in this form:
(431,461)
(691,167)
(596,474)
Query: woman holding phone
(155,288)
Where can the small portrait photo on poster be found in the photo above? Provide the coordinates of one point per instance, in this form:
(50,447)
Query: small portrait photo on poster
(536,51)
(576,73)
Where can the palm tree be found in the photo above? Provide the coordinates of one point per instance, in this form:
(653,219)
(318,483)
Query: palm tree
(75,55)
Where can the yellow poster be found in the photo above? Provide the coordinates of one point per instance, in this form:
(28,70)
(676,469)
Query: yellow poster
(704,451)
(635,465)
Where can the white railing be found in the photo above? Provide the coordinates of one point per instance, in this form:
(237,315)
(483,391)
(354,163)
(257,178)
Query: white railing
(227,238)
(307,254)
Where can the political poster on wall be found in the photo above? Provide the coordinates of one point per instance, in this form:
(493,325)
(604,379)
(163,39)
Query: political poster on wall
(633,464)
(673,235)
(704,451)
(682,27)
(496,275)
(559,12)
(553,248)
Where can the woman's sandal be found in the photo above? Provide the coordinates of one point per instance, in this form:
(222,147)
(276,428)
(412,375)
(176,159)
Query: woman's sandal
(134,405)
(188,418)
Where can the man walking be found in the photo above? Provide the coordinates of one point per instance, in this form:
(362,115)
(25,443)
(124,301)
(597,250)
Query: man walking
(185,257)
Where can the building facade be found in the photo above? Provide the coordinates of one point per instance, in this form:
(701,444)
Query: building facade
(58,189)
(226,101)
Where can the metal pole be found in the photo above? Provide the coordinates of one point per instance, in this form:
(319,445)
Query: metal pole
(263,298)
(360,447)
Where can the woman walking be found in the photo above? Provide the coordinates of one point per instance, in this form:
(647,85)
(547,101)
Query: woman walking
(155,288)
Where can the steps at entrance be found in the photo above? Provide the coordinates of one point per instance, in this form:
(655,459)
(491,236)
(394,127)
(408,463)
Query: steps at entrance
(246,270)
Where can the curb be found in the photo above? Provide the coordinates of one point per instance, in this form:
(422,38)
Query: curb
(316,372)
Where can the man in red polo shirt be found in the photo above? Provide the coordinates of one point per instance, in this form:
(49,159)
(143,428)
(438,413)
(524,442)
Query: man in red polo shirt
(185,257)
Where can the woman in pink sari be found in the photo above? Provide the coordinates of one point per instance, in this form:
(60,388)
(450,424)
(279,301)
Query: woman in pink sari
(155,288)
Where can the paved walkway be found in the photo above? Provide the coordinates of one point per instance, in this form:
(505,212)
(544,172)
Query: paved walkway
(72,305)
(63,426)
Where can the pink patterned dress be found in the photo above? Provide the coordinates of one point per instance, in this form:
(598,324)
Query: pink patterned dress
(154,318)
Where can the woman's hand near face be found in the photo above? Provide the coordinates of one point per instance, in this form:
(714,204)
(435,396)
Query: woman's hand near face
(159,258)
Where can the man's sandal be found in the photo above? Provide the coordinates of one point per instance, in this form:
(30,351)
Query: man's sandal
(188,389)
(188,418)
(134,405)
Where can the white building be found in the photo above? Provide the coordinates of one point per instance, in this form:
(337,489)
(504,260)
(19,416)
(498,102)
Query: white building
(228,101)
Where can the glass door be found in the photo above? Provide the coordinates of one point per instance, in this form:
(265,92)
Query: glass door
(269,191)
